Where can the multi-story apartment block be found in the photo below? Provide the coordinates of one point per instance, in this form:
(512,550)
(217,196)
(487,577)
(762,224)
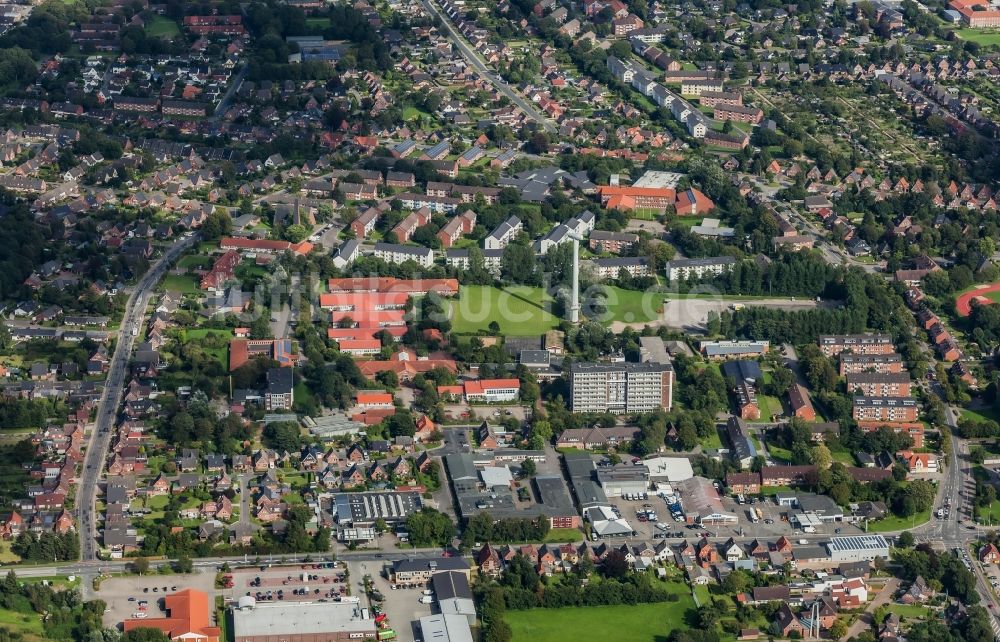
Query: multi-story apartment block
(613,242)
(504,234)
(392,253)
(365,223)
(460,259)
(873,384)
(621,387)
(880,363)
(890,409)
(867,344)
(697,268)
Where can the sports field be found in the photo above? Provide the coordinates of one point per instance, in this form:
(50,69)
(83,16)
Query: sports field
(985,295)
(984,37)
(631,306)
(638,623)
(518,310)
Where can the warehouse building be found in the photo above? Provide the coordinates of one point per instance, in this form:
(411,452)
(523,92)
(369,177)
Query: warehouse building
(445,628)
(857,548)
(453,595)
(301,622)
(353,509)
(623,479)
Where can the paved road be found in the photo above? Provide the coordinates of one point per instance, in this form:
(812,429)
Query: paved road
(100,436)
(477,63)
(234,86)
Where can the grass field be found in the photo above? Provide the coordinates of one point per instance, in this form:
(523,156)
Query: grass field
(899,523)
(639,623)
(194,261)
(162,27)
(632,305)
(6,555)
(712,441)
(411,113)
(180,283)
(563,535)
(21,622)
(519,311)
(980,414)
(908,610)
(645,213)
(990,514)
(984,37)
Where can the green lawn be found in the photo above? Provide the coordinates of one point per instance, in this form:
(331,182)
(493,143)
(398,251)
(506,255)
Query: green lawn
(194,261)
(200,333)
(980,414)
(632,306)
(518,310)
(984,37)
(711,441)
(563,535)
(771,491)
(990,514)
(162,27)
(7,556)
(899,523)
(779,454)
(21,622)
(908,610)
(180,283)
(768,406)
(411,113)
(645,213)
(639,623)
(318,23)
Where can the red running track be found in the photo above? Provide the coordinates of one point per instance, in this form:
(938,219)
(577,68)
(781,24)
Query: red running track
(963,304)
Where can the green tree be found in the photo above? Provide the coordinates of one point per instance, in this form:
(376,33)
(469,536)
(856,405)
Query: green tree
(140,565)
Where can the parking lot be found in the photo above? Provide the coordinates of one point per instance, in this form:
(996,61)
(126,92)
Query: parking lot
(304,582)
(401,606)
(124,595)
(770,526)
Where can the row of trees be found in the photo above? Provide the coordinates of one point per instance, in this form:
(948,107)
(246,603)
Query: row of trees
(47,547)
(481,528)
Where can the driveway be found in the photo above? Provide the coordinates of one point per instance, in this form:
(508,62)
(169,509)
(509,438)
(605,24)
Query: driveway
(865,620)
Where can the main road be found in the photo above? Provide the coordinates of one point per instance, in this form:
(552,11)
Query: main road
(107,409)
(477,63)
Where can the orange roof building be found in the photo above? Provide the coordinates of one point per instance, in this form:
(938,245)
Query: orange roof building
(360,347)
(364,300)
(444,287)
(373,399)
(692,202)
(406,365)
(631,197)
(914,429)
(376,319)
(242,350)
(337,334)
(266,246)
(187,619)
(976,17)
